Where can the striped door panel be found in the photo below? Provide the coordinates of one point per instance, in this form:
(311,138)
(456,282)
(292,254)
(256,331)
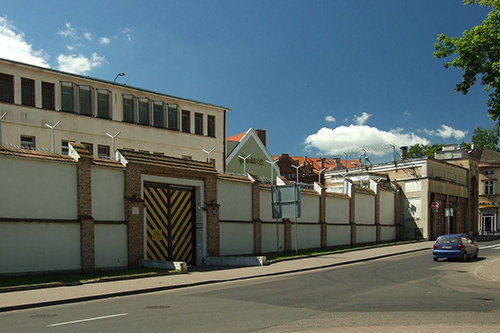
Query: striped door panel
(169,222)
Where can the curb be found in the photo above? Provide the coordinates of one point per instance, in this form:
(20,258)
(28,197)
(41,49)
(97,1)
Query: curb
(192,284)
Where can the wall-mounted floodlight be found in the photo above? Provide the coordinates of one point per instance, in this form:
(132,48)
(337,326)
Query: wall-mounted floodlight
(208,154)
(117,75)
(4,114)
(297,167)
(53,135)
(272,167)
(113,147)
(244,163)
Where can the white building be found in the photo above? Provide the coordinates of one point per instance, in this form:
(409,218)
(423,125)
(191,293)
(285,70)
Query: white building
(33,100)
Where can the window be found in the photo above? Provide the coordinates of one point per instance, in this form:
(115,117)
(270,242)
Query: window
(27,92)
(186,121)
(48,96)
(159,114)
(144,111)
(85,100)
(28,142)
(129,108)
(173,117)
(489,172)
(6,88)
(489,187)
(104,103)
(68,97)
(102,151)
(198,123)
(89,147)
(65,147)
(211,126)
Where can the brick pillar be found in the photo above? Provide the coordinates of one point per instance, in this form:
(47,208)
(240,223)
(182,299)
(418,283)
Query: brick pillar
(322,217)
(134,214)
(87,240)
(352,215)
(257,223)
(377,215)
(213,224)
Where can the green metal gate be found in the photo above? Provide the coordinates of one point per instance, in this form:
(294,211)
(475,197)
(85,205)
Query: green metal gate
(170,221)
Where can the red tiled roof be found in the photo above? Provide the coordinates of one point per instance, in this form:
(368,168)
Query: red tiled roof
(236,137)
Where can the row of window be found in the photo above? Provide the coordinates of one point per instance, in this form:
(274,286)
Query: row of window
(29,142)
(89,101)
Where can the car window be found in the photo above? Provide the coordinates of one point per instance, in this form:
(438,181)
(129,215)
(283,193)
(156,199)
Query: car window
(447,240)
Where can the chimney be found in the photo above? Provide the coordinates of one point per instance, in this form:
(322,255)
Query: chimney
(262,135)
(403,151)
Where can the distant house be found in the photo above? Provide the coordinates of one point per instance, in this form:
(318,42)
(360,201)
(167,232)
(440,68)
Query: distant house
(310,168)
(247,152)
(489,192)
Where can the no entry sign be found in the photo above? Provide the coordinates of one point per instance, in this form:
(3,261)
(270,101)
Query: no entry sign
(435,205)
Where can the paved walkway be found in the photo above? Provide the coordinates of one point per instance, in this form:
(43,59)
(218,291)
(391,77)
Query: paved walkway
(33,298)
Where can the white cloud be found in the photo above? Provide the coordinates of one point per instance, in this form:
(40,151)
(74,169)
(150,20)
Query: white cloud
(330,119)
(68,31)
(355,137)
(129,34)
(14,47)
(88,36)
(78,64)
(447,132)
(407,113)
(361,120)
(104,40)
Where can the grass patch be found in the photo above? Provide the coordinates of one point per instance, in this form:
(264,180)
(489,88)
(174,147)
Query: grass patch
(78,278)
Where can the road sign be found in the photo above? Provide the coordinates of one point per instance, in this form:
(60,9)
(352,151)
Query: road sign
(435,205)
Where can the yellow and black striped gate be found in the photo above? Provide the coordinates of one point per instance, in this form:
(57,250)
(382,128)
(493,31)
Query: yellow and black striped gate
(170,222)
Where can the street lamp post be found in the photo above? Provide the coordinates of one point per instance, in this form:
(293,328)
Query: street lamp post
(53,135)
(117,75)
(113,146)
(272,167)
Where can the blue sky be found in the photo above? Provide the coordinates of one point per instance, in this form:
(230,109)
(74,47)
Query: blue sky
(323,78)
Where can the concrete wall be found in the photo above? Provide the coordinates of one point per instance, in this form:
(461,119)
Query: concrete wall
(236,238)
(235,199)
(37,189)
(39,247)
(108,194)
(110,245)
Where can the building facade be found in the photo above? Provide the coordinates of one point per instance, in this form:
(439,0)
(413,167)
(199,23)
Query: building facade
(46,109)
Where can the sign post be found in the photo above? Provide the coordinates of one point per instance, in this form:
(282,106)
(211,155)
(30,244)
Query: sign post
(287,204)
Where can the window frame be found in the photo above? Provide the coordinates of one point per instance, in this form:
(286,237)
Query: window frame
(144,111)
(158,109)
(48,95)
(489,187)
(186,121)
(68,97)
(90,100)
(6,88)
(132,112)
(108,94)
(173,117)
(198,123)
(30,139)
(27,92)
(211,126)
(108,151)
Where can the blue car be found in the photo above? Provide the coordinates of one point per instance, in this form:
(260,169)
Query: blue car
(458,246)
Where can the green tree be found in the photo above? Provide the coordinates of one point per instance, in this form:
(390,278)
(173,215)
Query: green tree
(486,138)
(419,150)
(477,53)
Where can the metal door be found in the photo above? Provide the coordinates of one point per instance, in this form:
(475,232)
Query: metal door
(169,222)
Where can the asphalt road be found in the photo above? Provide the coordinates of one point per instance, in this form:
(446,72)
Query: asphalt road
(408,293)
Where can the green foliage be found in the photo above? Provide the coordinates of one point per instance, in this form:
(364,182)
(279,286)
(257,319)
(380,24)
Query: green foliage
(419,150)
(486,138)
(477,53)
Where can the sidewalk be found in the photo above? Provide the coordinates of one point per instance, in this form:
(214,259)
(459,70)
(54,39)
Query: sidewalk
(26,299)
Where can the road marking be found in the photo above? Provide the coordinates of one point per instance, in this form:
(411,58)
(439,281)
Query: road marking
(88,319)
(494,246)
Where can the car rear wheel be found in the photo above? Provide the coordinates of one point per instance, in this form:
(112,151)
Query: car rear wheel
(435,258)
(464,256)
